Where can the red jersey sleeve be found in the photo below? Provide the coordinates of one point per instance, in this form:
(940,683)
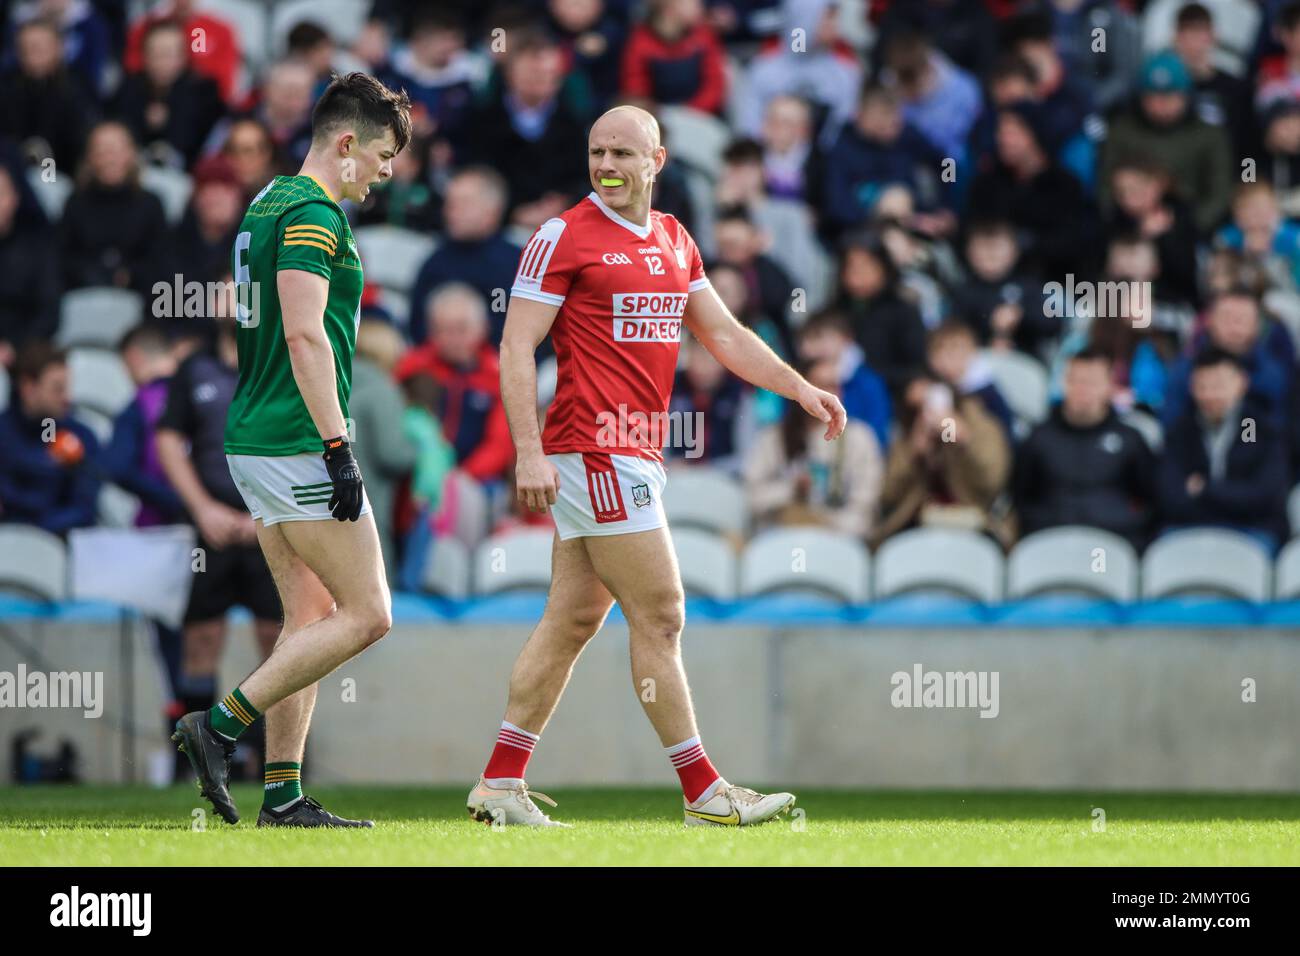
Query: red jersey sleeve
(547,265)
(694,262)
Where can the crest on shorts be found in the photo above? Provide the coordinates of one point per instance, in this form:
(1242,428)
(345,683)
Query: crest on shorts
(641,495)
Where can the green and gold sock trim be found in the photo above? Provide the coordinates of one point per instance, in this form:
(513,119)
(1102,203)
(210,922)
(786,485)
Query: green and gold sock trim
(312,494)
(283,784)
(232,715)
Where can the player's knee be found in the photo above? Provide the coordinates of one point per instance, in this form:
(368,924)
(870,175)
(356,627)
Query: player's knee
(661,621)
(373,621)
(586,621)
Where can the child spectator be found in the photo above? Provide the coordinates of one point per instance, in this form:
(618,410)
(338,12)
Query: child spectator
(1001,303)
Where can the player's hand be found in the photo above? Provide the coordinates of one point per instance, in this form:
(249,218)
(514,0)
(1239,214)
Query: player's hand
(219,525)
(537,483)
(824,407)
(345,503)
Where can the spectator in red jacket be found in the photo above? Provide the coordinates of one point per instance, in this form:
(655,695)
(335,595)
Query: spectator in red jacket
(674,57)
(214,51)
(459,357)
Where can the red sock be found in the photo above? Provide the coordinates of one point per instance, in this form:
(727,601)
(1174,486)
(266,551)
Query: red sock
(510,755)
(693,767)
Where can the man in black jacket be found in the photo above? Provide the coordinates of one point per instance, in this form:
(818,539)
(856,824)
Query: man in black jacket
(1225,462)
(1083,466)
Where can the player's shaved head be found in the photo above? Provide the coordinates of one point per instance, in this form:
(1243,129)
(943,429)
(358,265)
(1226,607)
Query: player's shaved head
(630,123)
(624,155)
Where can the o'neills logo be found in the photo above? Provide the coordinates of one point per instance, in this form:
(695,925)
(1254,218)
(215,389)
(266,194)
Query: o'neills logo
(648,316)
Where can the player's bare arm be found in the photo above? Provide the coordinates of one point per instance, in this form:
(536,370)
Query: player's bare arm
(302,297)
(745,354)
(220,524)
(527,323)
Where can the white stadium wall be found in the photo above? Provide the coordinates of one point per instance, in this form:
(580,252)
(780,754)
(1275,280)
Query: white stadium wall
(1142,709)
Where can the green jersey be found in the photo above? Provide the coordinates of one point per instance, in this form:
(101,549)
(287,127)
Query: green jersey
(291,224)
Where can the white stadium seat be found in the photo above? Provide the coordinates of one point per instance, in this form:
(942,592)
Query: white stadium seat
(392,256)
(707,562)
(1293,509)
(940,559)
(1287,572)
(1065,559)
(171,186)
(99,381)
(1206,561)
(698,496)
(33,562)
(1023,382)
(808,559)
(97,317)
(116,507)
(516,560)
(52,194)
(447,570)
(695,138)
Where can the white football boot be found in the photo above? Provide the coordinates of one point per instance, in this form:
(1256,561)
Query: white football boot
(737,807)
(512,806)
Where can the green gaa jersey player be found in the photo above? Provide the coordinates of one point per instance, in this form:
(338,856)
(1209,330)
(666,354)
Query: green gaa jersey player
(298,281)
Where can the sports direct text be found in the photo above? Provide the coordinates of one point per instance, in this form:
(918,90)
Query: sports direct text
(648,316)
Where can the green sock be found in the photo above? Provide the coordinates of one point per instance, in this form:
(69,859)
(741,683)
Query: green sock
(232,715)
(283,784)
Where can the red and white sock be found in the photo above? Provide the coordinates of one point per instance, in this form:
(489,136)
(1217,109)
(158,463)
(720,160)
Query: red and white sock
(698,776)
(509,758)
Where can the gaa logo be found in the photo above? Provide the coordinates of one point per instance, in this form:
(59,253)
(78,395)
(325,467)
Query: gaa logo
(615,259)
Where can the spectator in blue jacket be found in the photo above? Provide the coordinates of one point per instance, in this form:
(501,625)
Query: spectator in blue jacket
(1234,325)
(475,250)
(828,337)
(49,472)
(1225,461)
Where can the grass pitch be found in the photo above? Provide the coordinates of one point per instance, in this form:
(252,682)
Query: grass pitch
(121,826)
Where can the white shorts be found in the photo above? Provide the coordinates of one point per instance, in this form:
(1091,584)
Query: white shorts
(285,488)
(607,494)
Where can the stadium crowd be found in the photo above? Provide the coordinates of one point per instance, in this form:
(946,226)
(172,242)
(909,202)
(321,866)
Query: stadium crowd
(900,192)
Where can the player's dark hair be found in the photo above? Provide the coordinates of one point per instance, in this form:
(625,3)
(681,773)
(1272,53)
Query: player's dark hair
(1194,15)
(35,357)
(360,102)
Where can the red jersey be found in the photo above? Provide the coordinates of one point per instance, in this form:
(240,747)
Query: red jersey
(621,289)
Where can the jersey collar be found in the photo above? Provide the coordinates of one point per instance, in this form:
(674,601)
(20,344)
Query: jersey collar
(640,232)
(323,188)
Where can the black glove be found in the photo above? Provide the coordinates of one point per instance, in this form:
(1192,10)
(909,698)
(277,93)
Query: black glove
(345,504)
